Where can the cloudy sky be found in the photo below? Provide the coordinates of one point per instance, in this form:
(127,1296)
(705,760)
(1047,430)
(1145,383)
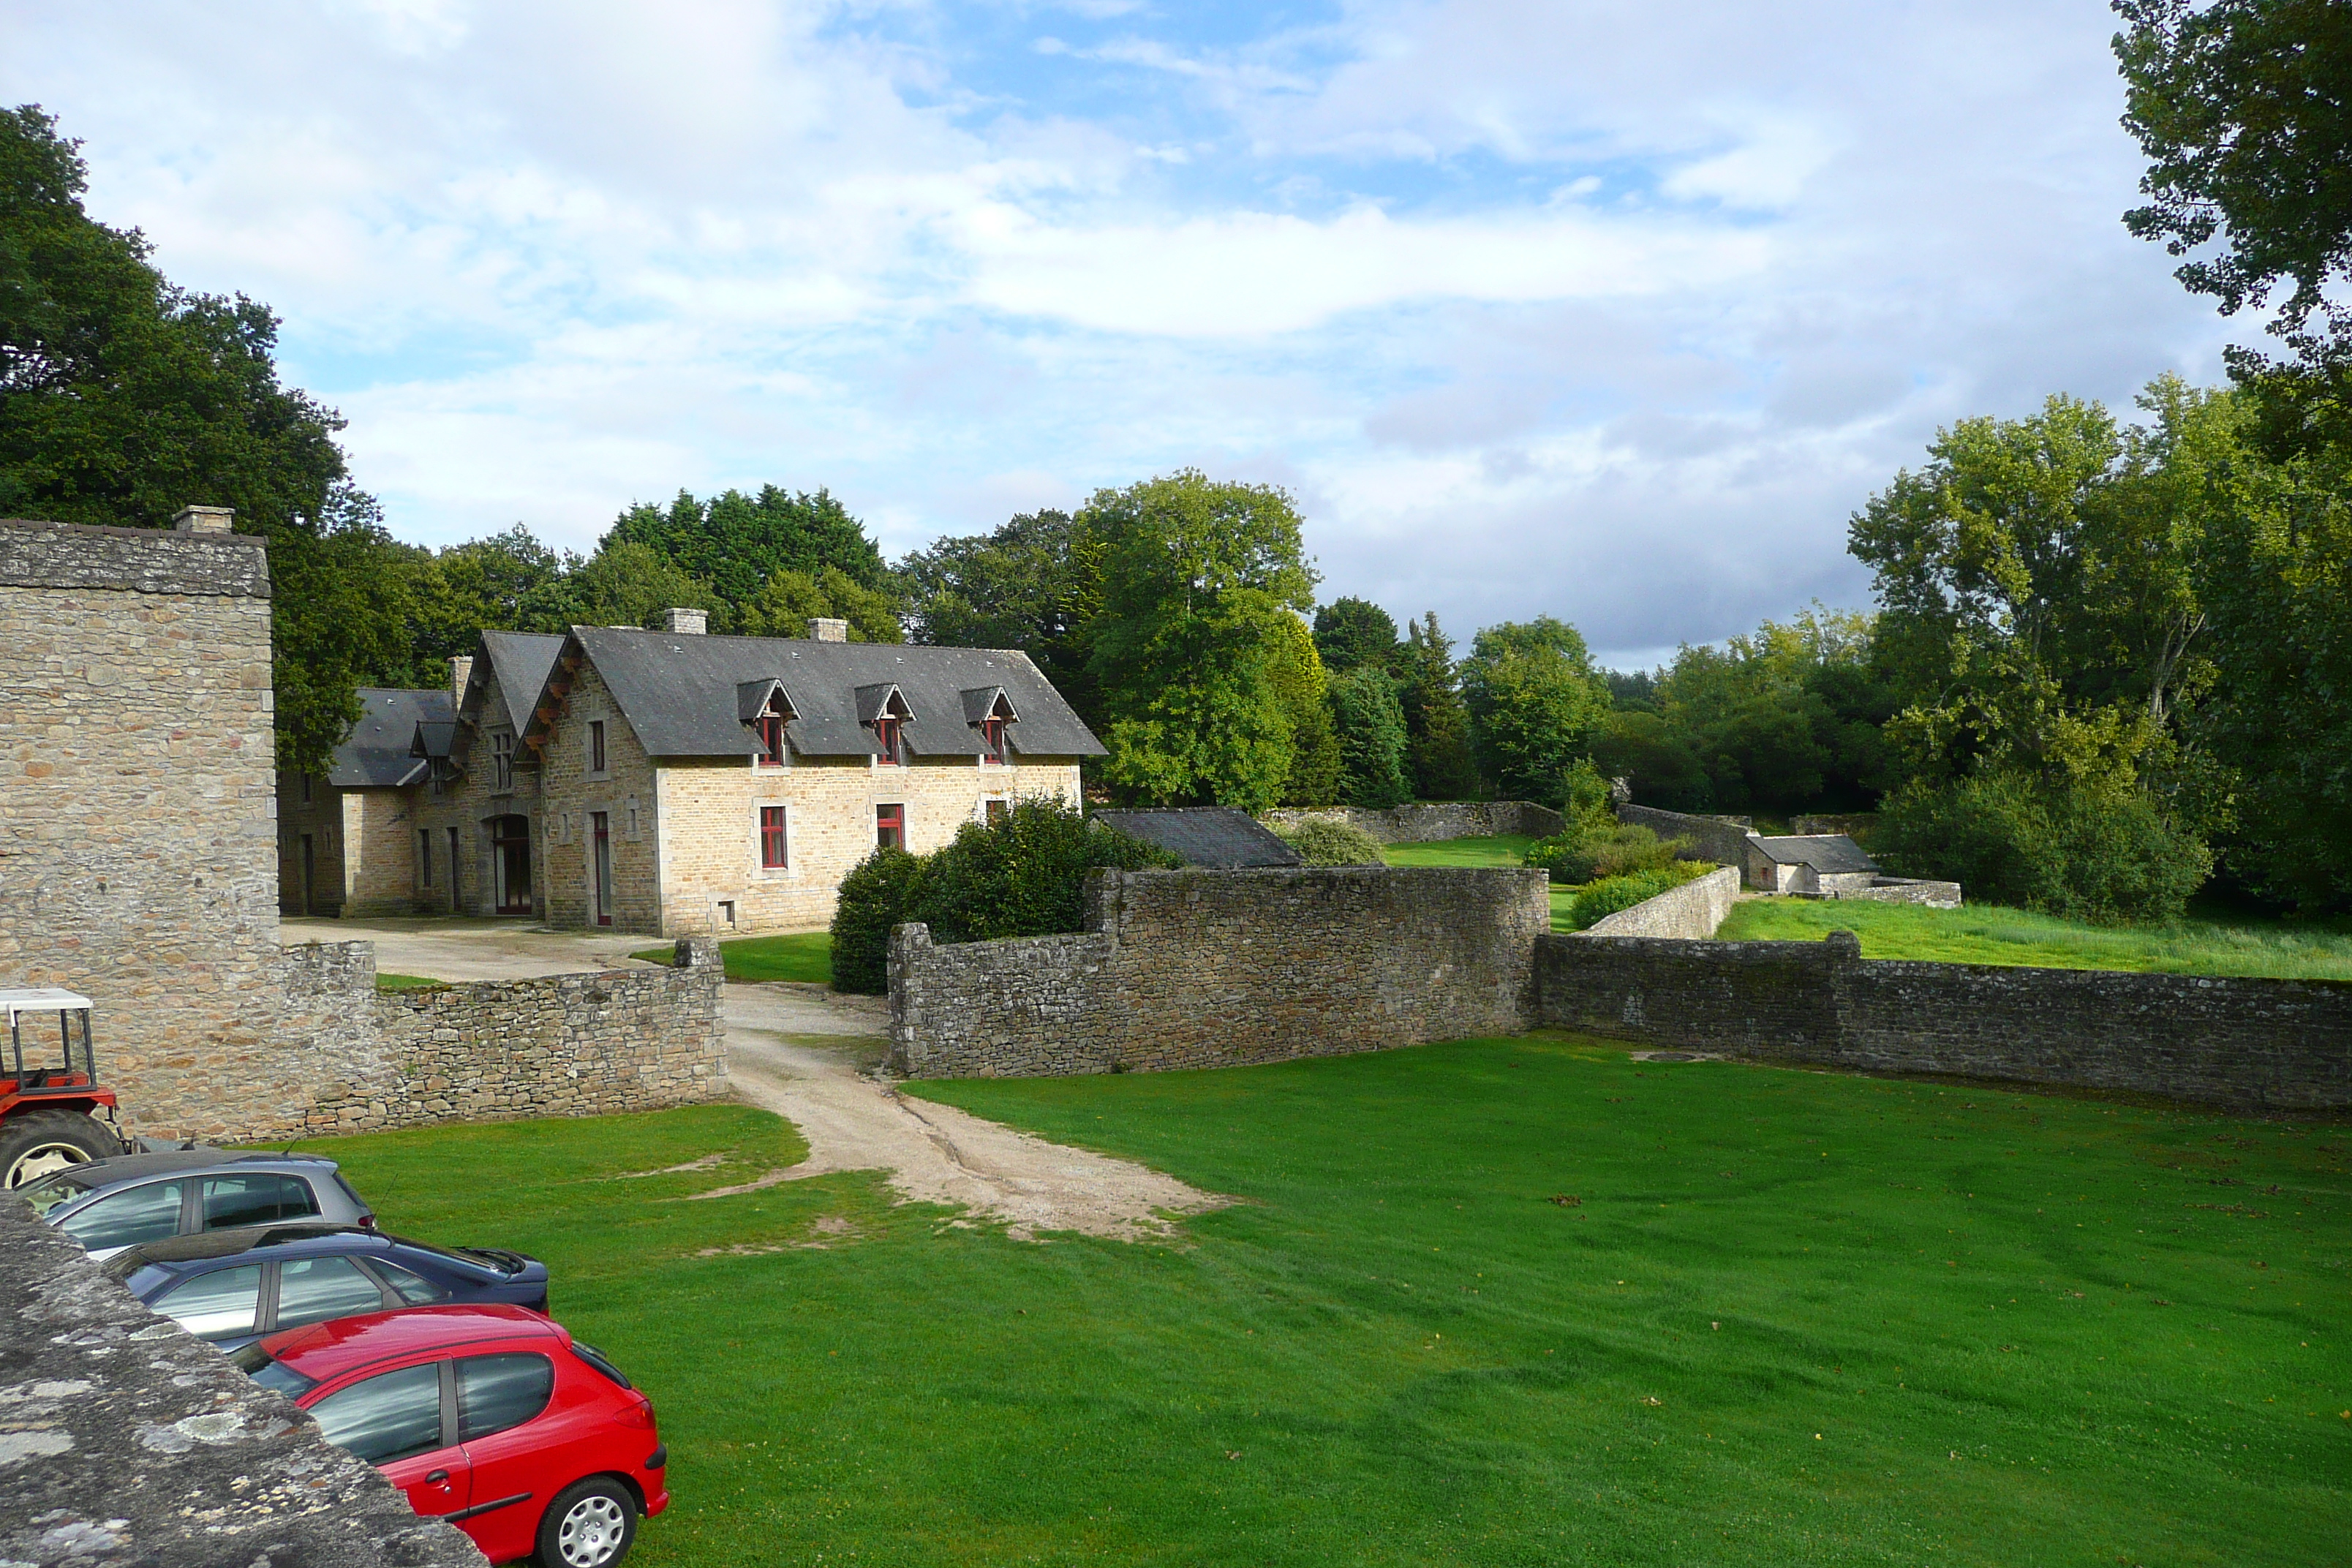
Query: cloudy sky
(1615,311)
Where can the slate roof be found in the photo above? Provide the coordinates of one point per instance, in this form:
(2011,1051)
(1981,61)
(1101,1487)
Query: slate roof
(520,661)
(1827,853)
(681,693)
(1215,836)
(376,754)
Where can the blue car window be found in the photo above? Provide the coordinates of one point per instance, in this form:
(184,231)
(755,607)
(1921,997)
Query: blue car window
(409,1286)
(385,1417)
(125,1219)
(255,1197)
(216,1306)
(499,1392)
(312,1290)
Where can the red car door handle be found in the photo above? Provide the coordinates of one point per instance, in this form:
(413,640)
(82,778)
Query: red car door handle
(437,1479)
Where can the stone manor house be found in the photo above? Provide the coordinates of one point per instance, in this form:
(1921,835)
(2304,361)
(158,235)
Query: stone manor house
(666,782)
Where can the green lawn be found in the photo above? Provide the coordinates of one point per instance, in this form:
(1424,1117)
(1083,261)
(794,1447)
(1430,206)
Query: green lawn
(802,955)
(406,983)
(1507,1302)
(1987,934)
(1502,849)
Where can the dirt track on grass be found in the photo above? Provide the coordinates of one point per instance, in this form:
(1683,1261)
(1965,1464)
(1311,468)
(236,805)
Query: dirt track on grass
(795,1050)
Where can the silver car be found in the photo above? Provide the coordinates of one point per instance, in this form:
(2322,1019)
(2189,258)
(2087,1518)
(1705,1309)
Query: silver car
(109,1204)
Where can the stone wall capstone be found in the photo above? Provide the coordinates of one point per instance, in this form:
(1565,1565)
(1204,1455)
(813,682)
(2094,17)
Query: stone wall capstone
(125,1440)
(2275,1045)
(1197,969)
(1430,821)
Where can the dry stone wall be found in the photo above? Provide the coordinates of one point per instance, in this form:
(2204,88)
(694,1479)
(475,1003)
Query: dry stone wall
(1197,969)
(1428,822)
(1693,911)
(2277,1045)
(1721,840)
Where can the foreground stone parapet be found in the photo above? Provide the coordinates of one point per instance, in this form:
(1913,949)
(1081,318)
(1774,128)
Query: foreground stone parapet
(125,1443)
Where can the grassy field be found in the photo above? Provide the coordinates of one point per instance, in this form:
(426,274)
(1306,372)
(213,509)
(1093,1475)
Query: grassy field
(1495,1302)
(406,983)
(802,955)
(1502,849)
(1985,933)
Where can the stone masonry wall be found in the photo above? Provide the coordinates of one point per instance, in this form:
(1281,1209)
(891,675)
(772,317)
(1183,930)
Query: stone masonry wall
(1693,911)
(2282,1045)
(1715,839)
(128,1441)
(1195,969)
(139,867)
(1428,822)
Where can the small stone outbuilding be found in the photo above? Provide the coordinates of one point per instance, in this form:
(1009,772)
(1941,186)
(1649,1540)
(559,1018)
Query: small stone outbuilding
(1823,863)
(1213,837)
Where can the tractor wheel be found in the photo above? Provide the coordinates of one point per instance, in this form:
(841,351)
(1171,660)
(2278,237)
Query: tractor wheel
(34,1142)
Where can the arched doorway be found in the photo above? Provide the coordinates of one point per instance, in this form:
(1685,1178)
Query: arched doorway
(510,864)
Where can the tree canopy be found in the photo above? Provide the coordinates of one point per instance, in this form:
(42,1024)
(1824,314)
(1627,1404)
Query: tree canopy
(1536,703)
(735,542)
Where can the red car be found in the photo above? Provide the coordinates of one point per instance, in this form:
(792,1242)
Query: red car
(488,1415)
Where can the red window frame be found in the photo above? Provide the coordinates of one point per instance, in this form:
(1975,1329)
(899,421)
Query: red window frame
(771,727)
(773,843)
(596,745)
(890,826)
(991,735)
(886,731)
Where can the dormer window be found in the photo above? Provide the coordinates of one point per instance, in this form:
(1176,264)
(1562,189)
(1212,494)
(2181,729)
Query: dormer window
(883,710)
(771,727)
(992,740)
(990,714)
(765,710)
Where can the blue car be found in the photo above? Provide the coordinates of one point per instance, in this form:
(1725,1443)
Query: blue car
(232,1287)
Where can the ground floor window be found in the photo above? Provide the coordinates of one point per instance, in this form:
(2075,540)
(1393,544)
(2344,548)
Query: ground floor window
(772,844)
(600,865)
(996,810)
(423,857)
(890,827)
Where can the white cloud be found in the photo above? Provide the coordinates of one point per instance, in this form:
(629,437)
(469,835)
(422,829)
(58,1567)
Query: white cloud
(1559,305)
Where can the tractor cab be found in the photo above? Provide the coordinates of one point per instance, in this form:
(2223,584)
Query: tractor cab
(53,1110)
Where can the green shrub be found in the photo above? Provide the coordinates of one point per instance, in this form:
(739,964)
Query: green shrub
(1022,875)
(872,897)
(1322,842)
(1596,901)
(1586,799)
(2112,857)
(1620,849)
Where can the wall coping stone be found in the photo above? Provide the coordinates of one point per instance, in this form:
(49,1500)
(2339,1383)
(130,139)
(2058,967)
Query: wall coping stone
(139,560)
(128,1441)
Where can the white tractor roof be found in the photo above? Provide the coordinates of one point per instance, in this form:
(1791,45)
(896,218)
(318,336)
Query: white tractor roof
(40,999)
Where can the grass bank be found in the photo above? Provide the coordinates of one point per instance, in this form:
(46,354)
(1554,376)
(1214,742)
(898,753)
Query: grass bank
(1987,934)
(1507,1302)
(804,955)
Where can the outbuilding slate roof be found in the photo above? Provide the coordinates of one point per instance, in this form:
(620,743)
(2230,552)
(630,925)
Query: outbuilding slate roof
(680,693)
(1826,853)
(375,756)
(1214,837)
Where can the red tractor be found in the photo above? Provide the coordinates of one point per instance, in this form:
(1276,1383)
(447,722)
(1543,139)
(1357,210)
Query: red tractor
(51,1117)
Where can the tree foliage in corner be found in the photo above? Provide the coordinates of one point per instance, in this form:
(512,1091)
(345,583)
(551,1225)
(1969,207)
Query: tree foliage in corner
(736,543)
(1196,572)
(123,398)
(1035,584)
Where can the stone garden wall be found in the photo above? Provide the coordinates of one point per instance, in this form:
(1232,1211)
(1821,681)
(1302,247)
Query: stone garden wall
(1693,911)
(126,1441)
(139,867)
(1431,821)
(1721,840)
(1197,969)
(2284,1045)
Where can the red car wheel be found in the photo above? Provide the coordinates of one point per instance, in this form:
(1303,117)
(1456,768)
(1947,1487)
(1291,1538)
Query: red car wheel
(589,1525)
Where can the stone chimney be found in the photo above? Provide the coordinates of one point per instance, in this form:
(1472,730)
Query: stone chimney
(685,622)
(824,628)
(204,519)
(461,670)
